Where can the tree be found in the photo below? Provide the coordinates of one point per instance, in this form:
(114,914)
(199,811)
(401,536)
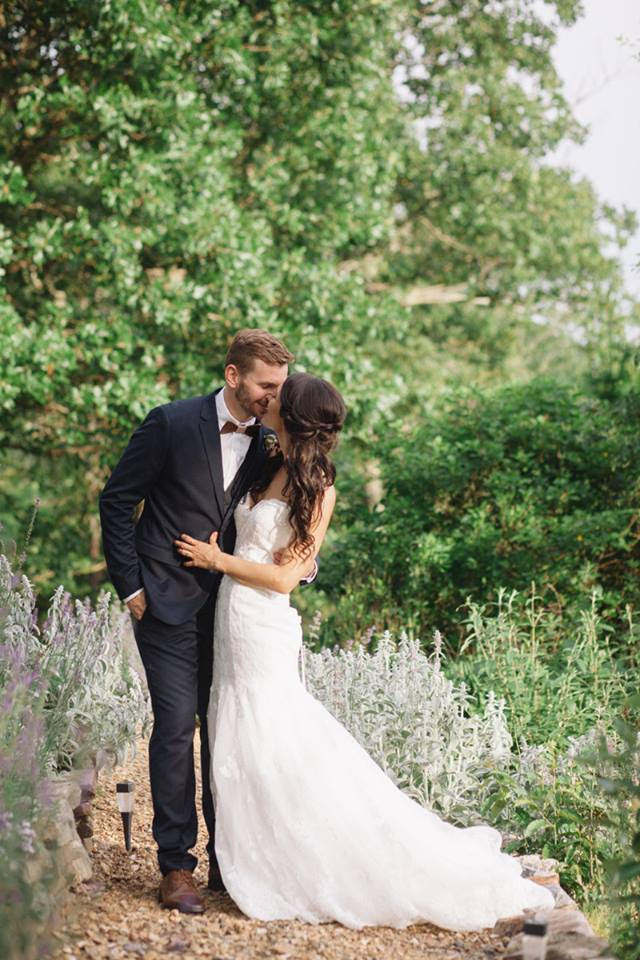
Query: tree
(173,172)
(481,209)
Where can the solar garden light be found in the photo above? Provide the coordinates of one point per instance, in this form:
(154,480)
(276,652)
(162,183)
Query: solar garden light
(124,793)
(534,939)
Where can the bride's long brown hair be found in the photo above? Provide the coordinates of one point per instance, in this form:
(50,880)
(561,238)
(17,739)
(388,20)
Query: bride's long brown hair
(313,413)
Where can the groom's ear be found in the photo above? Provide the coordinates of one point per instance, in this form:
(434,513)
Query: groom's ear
(231,375)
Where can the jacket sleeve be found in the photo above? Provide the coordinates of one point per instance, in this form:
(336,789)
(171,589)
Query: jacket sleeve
(313,573)
(133,477)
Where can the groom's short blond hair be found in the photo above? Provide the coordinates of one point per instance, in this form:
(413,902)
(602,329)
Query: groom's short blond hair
(254,344)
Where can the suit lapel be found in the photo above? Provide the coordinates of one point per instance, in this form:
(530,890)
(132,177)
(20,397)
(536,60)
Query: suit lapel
(211,439)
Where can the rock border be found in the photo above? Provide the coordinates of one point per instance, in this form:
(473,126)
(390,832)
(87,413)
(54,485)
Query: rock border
(569,933)
(68,826)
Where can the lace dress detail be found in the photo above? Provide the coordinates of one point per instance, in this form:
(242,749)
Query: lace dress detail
(307,825)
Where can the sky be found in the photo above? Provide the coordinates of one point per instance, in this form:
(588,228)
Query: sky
(601,75)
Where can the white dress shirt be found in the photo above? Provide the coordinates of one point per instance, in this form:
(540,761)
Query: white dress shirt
(233,446)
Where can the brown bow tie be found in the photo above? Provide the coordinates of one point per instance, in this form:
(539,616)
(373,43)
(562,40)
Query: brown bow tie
(230,427)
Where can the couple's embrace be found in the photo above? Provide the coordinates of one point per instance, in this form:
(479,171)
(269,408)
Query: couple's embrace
(238,494)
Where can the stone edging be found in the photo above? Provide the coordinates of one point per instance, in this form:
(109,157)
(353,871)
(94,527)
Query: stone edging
(570,936)
(68,828)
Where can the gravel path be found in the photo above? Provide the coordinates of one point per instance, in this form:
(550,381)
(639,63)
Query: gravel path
(116,915)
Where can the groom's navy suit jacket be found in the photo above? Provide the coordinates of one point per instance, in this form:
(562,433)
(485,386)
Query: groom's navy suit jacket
(173,462)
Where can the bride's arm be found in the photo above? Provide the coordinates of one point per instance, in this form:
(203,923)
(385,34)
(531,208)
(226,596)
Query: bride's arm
(281,577)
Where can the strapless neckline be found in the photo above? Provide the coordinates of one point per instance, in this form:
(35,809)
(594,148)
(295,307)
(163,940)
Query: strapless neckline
(251,507)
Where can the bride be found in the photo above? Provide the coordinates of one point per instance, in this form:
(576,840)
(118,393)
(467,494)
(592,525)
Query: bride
(307,825)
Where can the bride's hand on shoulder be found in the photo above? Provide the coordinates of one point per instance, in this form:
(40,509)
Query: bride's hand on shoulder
(199,553)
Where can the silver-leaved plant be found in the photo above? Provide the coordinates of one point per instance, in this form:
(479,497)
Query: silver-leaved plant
(94,700)
(413,721)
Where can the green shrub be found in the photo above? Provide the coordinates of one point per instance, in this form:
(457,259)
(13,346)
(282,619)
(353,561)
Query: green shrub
(535,482)
(619,778)
(557,674)
(548,803)
(563,688)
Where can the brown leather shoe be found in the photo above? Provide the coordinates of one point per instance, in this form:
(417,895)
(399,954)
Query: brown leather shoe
(179,892)
(216,883)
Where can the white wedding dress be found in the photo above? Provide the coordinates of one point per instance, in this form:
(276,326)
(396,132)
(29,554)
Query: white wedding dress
(307,825)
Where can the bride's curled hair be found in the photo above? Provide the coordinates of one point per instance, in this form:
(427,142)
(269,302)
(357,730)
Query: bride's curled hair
(313,413)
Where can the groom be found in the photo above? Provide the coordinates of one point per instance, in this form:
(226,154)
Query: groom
(191,461)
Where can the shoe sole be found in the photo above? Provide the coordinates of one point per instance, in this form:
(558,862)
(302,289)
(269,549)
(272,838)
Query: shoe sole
(169,906)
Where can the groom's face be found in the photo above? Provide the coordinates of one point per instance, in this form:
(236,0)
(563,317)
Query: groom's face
(256,388)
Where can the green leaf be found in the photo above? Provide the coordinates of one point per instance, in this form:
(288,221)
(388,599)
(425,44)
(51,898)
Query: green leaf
(534,827)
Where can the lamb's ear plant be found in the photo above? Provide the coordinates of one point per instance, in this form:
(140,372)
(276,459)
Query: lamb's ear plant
(414,722)
(92,697)
(27,873)
(95,700)
(455,755)
(65,691)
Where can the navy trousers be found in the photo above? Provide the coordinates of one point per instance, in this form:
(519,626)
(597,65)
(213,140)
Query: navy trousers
(178,660)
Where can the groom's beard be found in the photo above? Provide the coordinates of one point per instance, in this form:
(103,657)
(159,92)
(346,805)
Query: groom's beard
(251,408)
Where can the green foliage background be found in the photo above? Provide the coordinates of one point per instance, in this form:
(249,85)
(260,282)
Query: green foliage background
(534,482)
(367,180)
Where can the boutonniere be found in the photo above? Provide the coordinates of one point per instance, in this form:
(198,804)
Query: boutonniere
(271,445)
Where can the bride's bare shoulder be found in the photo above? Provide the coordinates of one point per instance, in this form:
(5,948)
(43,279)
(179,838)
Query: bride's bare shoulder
(329,498)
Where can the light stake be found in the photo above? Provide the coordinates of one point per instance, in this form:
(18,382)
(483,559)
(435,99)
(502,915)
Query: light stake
(534,939)
(124,793)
